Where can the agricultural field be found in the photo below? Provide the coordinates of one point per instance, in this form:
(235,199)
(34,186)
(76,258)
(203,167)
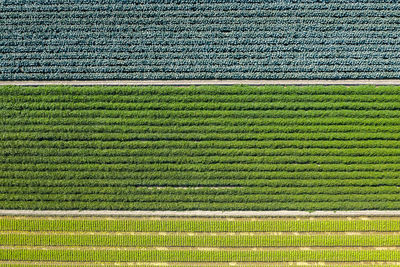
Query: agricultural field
(74,160)
(199,241)
(200,148)
(224,39)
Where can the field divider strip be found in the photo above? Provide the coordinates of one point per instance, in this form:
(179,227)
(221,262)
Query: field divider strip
(203,82)
(192,264)
(198,234)
(200,213)
(188,248)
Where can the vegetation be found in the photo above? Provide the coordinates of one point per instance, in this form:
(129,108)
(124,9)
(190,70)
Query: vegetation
(190,225)
(224,39)
(175,240)
(206,147)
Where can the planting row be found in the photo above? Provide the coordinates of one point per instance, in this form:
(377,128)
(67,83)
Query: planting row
(100,105)
(198,225)
(212,144)
(202,114)
(189,152)
(64,96)
(209,206)
(90,255)
(189,91)
(203,240)
(118,190)
(217,167)
(199,198)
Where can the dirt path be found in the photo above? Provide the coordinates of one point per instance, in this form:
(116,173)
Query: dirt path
(207,82)
(198,234)
(155,248)
(206,264)
(283,213)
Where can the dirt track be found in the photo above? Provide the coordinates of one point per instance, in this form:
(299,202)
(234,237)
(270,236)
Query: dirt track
(196,213)
(206,82)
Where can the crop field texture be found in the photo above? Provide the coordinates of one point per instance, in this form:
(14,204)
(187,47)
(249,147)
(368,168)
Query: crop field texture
(191,39)
(200,148)
(200,242)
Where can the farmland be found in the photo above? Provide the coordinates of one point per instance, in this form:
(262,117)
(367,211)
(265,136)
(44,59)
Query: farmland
(195,242)
(96,170)
(224,39)
(200,148)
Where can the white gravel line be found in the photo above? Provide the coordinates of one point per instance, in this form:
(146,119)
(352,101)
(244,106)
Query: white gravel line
(200,213)
(206,82)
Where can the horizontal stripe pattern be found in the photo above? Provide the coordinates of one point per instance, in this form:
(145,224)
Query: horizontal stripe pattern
(199,148)
(200,241)
(141,40)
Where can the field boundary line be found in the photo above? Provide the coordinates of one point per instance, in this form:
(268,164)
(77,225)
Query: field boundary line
(202,82)
(197,213)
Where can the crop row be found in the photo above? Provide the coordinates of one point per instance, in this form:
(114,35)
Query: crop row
(226,122)
(202,129)
(104,74)
(202,114)
(206,36)
(190,225)
(314,50)
(100,105)
(199,72)
(142,136)
(157,5)
(159,55)
(197,256)
(214,8)
(198,175)
(213,191)
(270,61)
(268,64)
(276,183)
(200,182)
(210,206)
(203,168)
(207,67)
(191,264)
(189,152)
(87,75)
(212,33)
(182,159)
(196,74)
(266,98)
(201,25)
(198,198)
(216,144)
(33,239)
(199,90)
(274,51)
(129,17)
(366,8)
